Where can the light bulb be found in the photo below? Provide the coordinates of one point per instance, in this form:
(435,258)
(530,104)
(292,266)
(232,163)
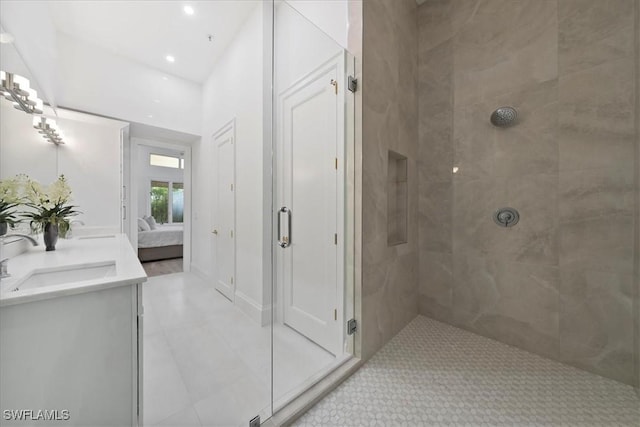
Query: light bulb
(22,83)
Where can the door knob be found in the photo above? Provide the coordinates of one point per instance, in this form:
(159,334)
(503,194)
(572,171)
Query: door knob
(215,231)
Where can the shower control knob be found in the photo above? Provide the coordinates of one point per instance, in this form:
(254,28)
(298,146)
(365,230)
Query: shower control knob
(506,217)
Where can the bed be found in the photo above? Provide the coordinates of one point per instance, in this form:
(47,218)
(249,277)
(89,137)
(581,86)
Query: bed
(165,242)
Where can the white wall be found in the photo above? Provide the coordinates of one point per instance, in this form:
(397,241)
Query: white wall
(96,80)
(299,46)
(146,173)
(332,17)
(22,148)
(234,91)
(89,159)
(35,40)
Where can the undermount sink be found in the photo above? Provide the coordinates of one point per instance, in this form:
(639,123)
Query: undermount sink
(68,274)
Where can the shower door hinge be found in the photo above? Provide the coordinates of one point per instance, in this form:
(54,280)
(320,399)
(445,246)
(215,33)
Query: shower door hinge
(352,326)
(255,421)
(352,84)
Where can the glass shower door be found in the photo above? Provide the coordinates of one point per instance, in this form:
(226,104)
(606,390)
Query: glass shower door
(313,110)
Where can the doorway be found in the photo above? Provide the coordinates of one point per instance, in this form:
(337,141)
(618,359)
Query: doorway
(311,196)
(225,209)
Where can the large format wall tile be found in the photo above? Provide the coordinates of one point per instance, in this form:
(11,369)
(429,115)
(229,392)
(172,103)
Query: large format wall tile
(434,25)
(596,117)
(390,122)
(435,152)
(504,45)
(594,32)
(531,146)
(532,240)
(600,243)
(596,329)
(514,303)
(435,215)
(436,292)
(568,166)
(595,193)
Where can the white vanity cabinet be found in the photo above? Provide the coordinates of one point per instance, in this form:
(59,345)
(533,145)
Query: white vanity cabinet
(74,350)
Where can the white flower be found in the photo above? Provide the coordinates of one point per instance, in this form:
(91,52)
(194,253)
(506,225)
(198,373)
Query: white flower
(10,190)
(34,192)
(59,191)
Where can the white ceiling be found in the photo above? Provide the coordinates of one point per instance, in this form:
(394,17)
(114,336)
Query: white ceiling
(147,31)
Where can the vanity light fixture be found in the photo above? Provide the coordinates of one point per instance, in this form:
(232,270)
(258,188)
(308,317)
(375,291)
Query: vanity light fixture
(16,89)
(49,129)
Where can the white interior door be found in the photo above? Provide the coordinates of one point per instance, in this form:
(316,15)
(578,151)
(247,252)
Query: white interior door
(224,219)
(312,141)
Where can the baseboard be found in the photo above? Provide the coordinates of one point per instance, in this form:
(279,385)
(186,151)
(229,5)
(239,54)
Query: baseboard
(259,313)
(199,272)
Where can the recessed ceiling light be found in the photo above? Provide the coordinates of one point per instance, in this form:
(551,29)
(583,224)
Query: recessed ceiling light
(170,58)
(6,38)
(189,10)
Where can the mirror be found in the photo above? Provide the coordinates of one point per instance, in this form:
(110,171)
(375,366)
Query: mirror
(87,144)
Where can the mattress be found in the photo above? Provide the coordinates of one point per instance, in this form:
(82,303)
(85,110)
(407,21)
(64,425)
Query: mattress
(164,235)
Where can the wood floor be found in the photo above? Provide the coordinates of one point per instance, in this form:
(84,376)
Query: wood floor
(167,266)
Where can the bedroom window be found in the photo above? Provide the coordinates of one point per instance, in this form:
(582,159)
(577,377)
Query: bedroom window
(166,161)
(167,201)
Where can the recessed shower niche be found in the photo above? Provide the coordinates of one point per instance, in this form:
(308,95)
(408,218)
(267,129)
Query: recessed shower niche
(397,202)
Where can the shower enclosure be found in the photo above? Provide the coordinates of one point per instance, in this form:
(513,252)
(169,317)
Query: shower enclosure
(264,101)
(562,282)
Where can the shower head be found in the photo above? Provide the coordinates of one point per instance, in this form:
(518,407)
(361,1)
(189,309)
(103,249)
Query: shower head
(504,117)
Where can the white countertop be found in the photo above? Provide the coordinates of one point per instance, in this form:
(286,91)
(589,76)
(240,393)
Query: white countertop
(72,252)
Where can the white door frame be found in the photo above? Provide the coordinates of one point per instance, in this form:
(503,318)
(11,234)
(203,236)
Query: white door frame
(339,61)
(229,127)
(136,144)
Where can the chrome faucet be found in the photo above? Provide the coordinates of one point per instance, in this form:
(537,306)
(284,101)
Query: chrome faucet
(33,241)
(4,264)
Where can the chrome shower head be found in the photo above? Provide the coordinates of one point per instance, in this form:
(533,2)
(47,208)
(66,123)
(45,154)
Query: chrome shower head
(504,117)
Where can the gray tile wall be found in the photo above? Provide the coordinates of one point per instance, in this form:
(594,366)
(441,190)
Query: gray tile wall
(390,122)
(561,282)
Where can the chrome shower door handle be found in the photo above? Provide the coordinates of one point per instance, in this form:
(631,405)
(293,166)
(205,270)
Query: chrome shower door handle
(284,241)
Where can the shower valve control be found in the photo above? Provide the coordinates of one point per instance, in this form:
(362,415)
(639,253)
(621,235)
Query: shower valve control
(506,217)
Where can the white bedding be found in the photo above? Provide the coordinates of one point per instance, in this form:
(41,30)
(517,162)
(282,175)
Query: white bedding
(164,235)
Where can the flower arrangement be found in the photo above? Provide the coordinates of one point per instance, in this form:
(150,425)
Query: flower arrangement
(9,199)
(50,205)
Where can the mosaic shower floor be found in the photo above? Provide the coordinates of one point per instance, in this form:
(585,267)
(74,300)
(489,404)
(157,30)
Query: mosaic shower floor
(433,374)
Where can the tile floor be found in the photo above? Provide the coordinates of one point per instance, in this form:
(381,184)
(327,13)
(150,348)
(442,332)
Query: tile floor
(207,364)
(432,374)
